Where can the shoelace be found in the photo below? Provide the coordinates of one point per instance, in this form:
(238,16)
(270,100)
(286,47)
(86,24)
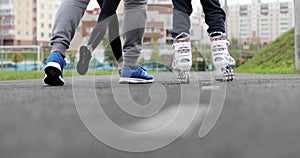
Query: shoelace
(142,67)
(143,72)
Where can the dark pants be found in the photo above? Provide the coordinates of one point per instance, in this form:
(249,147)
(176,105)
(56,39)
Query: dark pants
(108,18)
(214,16)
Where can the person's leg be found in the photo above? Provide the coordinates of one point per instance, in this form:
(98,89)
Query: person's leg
(214,15)
(100,2)
(133,32)
(181,17)
(113,31)
(67,19)
(182,61)
(108,9)
(215,18)
(115,41)
(107,15)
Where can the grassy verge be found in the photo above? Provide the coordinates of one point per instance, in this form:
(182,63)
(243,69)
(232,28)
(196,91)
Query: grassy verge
(21,75)
(276,58)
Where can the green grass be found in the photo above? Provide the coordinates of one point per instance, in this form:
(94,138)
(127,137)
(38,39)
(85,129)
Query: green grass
(18,75)
(276,58)
(21,75)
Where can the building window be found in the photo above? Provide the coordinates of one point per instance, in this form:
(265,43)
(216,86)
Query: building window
(284,8)
(264,9)
(192,32)
(243,10)
(89,29)
(6,12)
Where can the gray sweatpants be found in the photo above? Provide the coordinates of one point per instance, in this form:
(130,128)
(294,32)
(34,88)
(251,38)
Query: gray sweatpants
(67,20)
(133,30)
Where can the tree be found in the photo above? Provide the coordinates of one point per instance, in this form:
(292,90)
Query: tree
(154,56)
(108,53)
(234,44)
(18,57)
(109,56)
(142,60)
(155,50)
(71,55)
(166,59)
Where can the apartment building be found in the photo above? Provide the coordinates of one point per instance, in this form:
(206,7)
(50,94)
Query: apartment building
(160,20)
(259,22)
(159,23)
(27,22)
(85,27)
(30,22)
(45,15)
(7,23)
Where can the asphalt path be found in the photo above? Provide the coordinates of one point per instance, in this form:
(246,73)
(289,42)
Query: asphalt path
(259,117)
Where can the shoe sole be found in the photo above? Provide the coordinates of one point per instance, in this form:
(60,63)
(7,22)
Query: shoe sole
(125,80)
(84,60)
(53,77)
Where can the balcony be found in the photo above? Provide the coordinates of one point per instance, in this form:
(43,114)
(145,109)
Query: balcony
(264,9)
(243,10)
(284,8)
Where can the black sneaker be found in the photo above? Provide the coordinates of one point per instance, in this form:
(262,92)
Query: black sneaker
(85,56)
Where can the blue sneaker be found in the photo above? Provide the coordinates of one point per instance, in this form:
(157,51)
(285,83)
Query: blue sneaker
(53,69)
(139,75)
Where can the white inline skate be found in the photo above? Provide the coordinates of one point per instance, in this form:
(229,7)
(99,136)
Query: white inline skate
(182,61)
(222,60)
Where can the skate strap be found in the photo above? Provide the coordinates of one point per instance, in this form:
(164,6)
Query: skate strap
(219,45)
(182,46)
(179,41)
(214,36)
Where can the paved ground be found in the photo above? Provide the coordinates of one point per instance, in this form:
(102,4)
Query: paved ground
(260,117)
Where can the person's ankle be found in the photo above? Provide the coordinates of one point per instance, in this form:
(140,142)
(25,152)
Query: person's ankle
(90,48)
(120,65)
